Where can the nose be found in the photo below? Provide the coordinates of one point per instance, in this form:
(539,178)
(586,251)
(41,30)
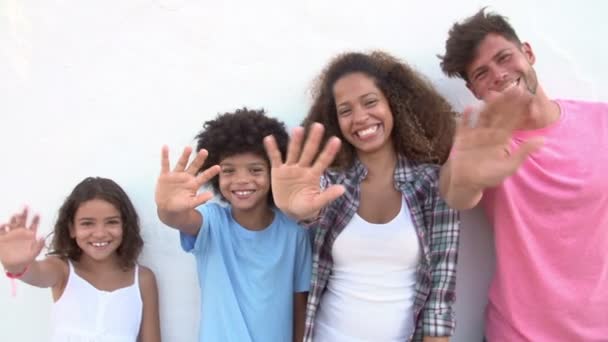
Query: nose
(499,75)
(99,230)
(359,114)
(242,177)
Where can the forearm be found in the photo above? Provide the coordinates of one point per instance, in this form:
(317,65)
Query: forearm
(44,273)
(457,197)
(188,222)
(435,339)
(299,316)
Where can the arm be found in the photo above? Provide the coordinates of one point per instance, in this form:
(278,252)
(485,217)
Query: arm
(299,315)
(443,235)
(460,198)
(435,339)
(177,194)
(295,183)
(150,321)
(19,248)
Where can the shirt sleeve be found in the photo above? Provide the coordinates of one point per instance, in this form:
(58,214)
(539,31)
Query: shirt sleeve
(303,262)
(194,243)
(443,224)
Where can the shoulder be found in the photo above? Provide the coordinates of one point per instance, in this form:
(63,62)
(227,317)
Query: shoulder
(285,223)
(425,173)
(146,277)
(582,106)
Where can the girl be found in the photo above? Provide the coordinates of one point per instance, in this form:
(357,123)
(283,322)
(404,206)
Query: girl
(99,291)
(385,243)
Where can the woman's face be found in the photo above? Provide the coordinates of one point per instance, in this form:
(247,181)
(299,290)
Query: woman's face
(364,114)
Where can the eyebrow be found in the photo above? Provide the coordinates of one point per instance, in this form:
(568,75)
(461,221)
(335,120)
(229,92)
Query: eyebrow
(360,97)
(93,219)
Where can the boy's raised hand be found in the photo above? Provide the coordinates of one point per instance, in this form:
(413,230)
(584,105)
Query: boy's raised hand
(19,245)
(295,183)
(177,189)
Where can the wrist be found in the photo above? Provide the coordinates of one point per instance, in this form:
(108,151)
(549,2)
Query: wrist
(16,272)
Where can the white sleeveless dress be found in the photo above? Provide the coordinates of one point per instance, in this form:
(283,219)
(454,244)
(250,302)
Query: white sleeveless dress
(85,314)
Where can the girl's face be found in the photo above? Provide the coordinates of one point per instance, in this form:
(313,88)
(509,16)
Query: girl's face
(97,229)
(364,114)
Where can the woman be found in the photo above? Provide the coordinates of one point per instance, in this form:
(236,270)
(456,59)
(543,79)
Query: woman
(385,243)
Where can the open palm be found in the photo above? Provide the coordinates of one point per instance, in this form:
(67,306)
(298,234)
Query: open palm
(481,156)
(295,183)
(19,245)
(177,189)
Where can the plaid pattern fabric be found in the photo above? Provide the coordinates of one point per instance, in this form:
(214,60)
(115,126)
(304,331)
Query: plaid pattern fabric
(437,227)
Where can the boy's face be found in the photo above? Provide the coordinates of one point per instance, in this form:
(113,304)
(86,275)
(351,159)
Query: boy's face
(500,64)
(244,181)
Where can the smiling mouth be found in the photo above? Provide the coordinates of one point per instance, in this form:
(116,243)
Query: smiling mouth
(100,244)
(364,133)
(510,85)
(243,193)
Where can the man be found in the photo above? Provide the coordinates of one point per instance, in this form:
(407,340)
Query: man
(539,167)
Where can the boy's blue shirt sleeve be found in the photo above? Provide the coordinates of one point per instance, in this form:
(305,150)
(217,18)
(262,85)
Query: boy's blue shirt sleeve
(303,266)
(192,243)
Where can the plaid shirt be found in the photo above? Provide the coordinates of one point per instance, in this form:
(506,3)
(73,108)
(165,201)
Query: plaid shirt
(437,227)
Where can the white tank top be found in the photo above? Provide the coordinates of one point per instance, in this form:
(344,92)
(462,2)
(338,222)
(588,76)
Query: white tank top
(371,290)
(84,313)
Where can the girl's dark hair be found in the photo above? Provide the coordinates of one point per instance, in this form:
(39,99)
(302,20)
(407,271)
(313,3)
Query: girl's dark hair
(64,246)
(424,120)
(241,131)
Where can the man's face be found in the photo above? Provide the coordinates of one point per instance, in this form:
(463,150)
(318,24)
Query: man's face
(500,64)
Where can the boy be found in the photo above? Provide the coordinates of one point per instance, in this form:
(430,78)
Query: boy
(254,263)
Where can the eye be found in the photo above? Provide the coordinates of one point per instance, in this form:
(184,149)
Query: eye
(256,170)
(504,58)
(227,171)
(86,223)
(371,102)
(480,75)
(114,222)
(344,112)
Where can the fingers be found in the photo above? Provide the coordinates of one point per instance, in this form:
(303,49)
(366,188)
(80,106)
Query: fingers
(311,147)
(274,155)
(35,223)
(198,162)
(327,196)
(164,160)
(206,175)
(3,228)
(295,145)
(183,159)
(327,155)
(202,198)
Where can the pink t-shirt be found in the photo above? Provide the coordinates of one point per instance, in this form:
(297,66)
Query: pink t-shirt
(551,234)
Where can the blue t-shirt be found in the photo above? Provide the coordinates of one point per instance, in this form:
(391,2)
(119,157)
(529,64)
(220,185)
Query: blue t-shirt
(248,278)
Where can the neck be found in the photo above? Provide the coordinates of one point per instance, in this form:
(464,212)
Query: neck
(98,266)
(542,112)
(256,218)
(380,164)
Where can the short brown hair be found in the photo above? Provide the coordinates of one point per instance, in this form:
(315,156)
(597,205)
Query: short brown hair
(424,120)
(464,38)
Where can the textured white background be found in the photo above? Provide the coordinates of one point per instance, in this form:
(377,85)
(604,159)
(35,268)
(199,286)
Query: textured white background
(96,87)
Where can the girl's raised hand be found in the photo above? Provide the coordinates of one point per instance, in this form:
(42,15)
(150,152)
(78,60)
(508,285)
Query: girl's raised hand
(19,245)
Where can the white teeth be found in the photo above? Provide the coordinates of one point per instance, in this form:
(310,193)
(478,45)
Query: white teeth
(244,193)
(99,244)
(510,85)
(365,132)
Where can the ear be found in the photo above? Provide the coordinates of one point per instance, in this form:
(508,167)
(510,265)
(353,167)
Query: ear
(470,87)
(526,49)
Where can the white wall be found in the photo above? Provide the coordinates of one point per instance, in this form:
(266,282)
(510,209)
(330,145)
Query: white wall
(96,87)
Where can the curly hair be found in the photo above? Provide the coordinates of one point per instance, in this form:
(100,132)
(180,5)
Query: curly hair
(241,131)
(65,247)
(464,38)
(424,120)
